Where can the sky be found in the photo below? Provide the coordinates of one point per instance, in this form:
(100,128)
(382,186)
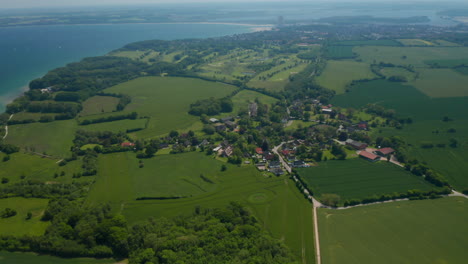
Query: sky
(65,3)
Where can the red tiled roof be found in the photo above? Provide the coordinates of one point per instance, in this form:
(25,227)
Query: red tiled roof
(386,151)
(127,144)
(259,150)
(368,155)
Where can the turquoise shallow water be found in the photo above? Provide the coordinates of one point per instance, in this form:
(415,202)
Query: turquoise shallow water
(29,52)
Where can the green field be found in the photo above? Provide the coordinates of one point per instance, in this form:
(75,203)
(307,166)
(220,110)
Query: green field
(416,56)
(117,126)
(18,225)
(99,104)
(358,178)
(397,71)
(275,200)
(447,63)
(338,74)
(53,138)
(340,52)
(442,83)
(382,42)
(428,231)
(166,100)
(26,258)
(242,100)
(30,116)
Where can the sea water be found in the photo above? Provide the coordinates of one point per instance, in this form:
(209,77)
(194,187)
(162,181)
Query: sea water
(29,52)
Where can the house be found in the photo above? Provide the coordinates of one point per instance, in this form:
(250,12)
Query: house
(355,144)
(213,120)
(259,151)
(217,149)
(261,166)
(274,165)
(327,111)
(220,127)
(127,144)
(299,164)
(369,156)
(363,125)
(230,124)
(253,109)
(225,119)
(384,152)
(163,146)
(205,142)
(277,172)
(269,156)
(228,151)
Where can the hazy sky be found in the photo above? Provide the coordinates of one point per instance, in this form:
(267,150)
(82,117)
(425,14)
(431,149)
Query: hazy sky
(62,3)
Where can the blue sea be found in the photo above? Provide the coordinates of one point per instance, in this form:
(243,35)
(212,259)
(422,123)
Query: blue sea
(30,52)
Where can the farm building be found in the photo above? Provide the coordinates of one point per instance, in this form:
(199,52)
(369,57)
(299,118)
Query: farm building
(127,144)
(228,152)
(384,152)
(356,144)
(213,120)
(220,127)
(369,156)
(225,119)
(230,124)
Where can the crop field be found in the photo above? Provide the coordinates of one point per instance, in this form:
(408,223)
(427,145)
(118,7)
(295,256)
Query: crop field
(451,162)
(462,70)
(427,231)
(284,75)
(397,71)
(416,56)
(26,258)
(448,63)
(166,101)
(30,116)
(382,42)
(405,99)
(445,43)
(340,52)
(98,105)
(442,83)
(117,126)
(270,198)
(415,42)
(53,138)
(338,74)
(358,178)
(18,225)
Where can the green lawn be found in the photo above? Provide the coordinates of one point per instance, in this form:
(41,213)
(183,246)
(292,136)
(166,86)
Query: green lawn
(274,200)
(397,71)
(54,138)
(117,126)
(415,42)
(18,225)
(99,104)
(427,231)
(358,178)
(338,74)
(27,258)
(442,83)
(382,42)
(27,116)
(243,98)
(166,100)
(340,52)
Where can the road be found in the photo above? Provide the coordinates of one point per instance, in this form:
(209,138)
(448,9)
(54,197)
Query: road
(6,127)
(285,164)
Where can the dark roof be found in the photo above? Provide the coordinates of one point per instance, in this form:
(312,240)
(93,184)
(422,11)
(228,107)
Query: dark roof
(275,164)
(368,155)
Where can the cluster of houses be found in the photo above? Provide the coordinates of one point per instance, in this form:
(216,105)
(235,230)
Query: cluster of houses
(223,123)
(367,153)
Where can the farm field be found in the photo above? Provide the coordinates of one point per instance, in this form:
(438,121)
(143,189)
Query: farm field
(117,126)
(18,224)
(242,100)
(268,85)
(166,100)
(53,138)
(30,116)
(415,56)
(340,52)
(26,258)
(358,178)
(338,74)
(427,231)
(451,162)
(415,42)
(442,83)
(397,71)
(383,42)
(413,104)
(98,105)
(270,198)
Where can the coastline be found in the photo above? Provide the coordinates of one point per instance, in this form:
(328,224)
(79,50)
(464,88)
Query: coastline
(11,96)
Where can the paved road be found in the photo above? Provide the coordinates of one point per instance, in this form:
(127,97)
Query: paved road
(285,164)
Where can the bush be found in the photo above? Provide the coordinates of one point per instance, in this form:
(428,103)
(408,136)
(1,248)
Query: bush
(8,212)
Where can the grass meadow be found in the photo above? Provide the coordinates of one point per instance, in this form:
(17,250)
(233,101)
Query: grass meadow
(427,231)
(340,52)
(381,42)
(242,100)
(358,178)
(166,100)
(441,83)
(416,42)
(26,258)
(53,138)
(117,126)
(338,74)
(18,225)
(98,105)
(274,200)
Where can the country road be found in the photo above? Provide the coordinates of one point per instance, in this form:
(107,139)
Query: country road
(6,127)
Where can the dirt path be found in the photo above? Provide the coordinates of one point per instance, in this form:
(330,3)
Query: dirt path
(316,234)
(6,127)
(459,194)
